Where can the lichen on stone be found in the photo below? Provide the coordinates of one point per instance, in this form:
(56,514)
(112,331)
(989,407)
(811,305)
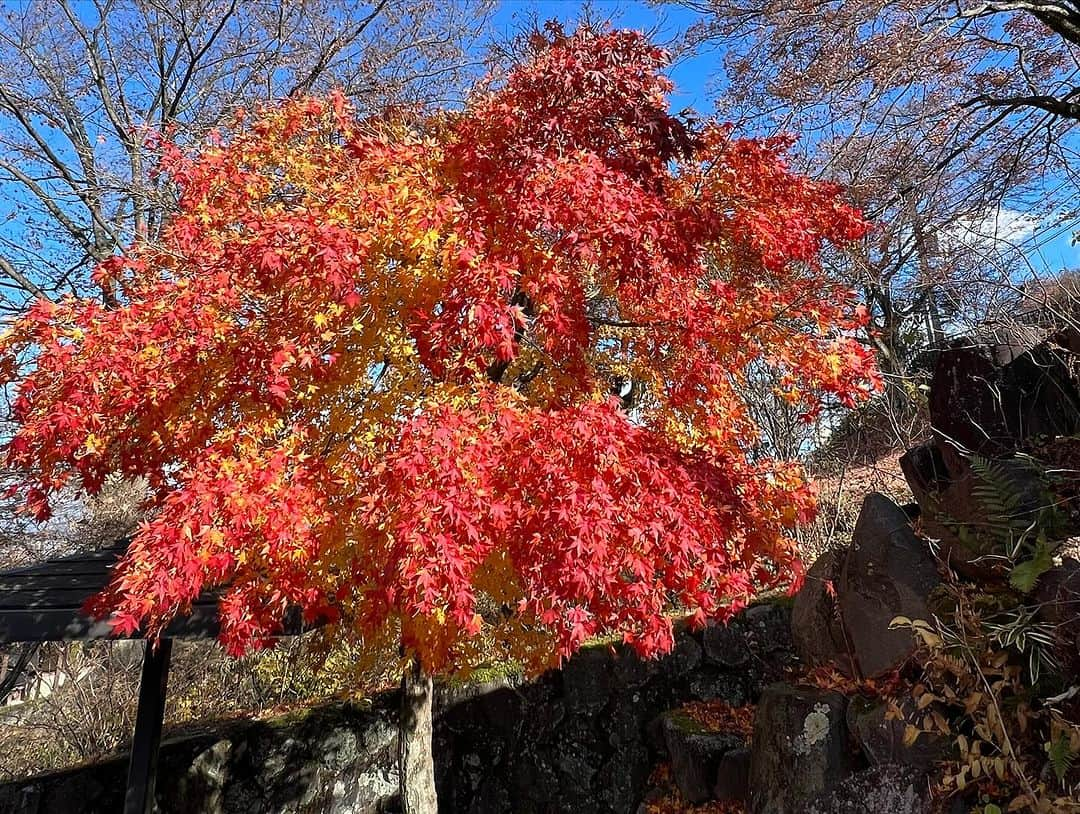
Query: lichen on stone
(815,729)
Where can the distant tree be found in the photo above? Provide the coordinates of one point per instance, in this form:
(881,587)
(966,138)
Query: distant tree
(87,89)
(952,124)
(378,366)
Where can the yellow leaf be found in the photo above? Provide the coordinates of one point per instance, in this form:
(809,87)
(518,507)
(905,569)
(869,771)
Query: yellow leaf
(926,700)
(999,767)
(931,639)
(940,722)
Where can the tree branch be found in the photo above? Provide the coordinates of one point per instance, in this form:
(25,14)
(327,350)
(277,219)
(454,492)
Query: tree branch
(25,284)
(1059,107)
(331,50)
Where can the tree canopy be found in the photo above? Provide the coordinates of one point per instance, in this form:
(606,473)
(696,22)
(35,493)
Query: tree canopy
(380,366)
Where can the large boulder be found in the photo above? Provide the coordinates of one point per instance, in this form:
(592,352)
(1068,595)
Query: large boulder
(881,736)
(1058,598)
(816,626)
(886,789)
(733,776)
(695,754)
(990,408)
(799,750)
(889,571)
(953,512)
(992,401)
(946,505)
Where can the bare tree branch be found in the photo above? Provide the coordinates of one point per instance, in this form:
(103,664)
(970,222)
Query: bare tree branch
(85,88)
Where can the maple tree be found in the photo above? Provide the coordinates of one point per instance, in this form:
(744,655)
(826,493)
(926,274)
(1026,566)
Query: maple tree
(378,367)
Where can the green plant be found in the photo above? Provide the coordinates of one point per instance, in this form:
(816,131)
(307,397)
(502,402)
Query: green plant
(1020,630)
(1062,753)
(979,689)
(1022,519)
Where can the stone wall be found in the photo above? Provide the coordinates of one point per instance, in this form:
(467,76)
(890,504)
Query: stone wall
(582,739)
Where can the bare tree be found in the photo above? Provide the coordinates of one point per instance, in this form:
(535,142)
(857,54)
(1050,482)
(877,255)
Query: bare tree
(86,89)
(951,122)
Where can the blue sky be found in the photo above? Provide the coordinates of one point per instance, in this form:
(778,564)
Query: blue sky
(698,80)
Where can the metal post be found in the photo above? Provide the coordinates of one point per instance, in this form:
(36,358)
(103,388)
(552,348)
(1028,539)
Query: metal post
(142,770)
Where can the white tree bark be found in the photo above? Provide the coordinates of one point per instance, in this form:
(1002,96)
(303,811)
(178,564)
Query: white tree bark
(417,763)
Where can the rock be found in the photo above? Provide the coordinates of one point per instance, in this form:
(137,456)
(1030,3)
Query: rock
(623,777)
(991,408)
(768,635)
(733,776)
(925,471)
(992,400)
(725,645)
(882,738)
(684,657)
(631,670)
(1057,595)
(1067,340)
(962,408)
(886,789)
(654,735)
(576,740)
(695,755)
(651,797)
(577,760)
(946,504)
(816,627)
(492,796)
(336,759)
(768,628)
(953,513)
(799,749)
(889,572)
(1061,455)
(709,686)
(588,679)
(205,780)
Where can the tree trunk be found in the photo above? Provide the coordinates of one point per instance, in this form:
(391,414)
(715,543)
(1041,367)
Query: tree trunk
(417,763)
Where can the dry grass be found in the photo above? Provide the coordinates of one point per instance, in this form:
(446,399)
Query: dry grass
(840,496)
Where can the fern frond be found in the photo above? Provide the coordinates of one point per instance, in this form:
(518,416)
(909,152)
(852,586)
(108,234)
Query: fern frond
(1062,757)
